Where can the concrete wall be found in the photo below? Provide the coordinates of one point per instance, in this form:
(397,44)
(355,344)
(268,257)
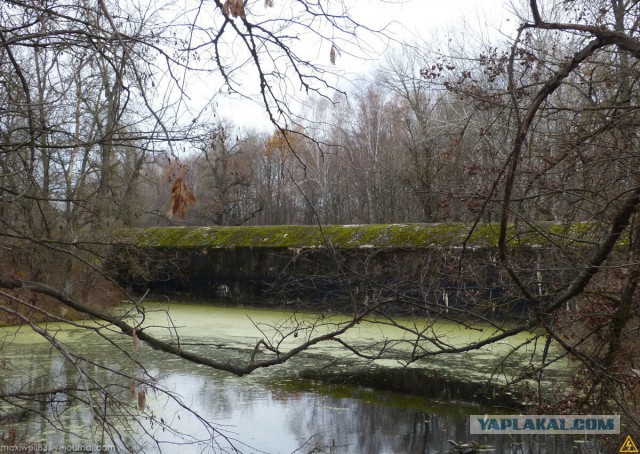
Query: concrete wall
(331,269)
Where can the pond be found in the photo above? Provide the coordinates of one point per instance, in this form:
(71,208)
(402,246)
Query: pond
(191,408)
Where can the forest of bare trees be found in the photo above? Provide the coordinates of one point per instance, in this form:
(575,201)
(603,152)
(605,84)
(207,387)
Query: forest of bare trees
(423,139)
(99,130)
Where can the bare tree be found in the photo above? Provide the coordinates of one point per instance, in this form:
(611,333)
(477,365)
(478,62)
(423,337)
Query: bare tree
(600,106)
(92,94)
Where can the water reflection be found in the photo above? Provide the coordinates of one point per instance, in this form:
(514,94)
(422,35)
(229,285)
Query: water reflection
(296,414)
(272,412)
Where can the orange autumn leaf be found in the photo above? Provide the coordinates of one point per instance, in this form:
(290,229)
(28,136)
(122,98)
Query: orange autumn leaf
(181,198)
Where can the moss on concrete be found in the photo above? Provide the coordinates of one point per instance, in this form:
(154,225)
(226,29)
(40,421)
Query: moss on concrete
(380,236)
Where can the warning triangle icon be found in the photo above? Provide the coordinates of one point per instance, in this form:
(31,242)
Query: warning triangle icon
(628,445)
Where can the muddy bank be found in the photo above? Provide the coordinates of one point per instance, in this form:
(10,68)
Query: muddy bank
(57,269)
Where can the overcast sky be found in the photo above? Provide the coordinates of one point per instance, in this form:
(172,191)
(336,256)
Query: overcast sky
(421,17)
(409,20)
(429,20)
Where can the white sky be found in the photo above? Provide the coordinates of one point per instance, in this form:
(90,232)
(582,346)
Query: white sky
(423,17)
(409,20)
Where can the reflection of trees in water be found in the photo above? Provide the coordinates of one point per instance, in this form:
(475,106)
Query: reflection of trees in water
(69,405)
(359,426)
(30,384)
(244,406)
(353,425)
(44,386)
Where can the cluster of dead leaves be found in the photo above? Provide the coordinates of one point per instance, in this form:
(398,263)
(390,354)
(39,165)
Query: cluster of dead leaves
(181,198)
(140,396)
(235,8)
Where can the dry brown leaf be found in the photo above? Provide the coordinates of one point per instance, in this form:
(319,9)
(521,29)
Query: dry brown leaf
(181,198)
(233,7)
(333,53)
(132,389)
(142,400)
(135,341)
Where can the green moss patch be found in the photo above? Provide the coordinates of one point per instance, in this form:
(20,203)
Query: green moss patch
(380,236)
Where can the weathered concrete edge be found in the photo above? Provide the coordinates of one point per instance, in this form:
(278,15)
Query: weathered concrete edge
(372,236)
